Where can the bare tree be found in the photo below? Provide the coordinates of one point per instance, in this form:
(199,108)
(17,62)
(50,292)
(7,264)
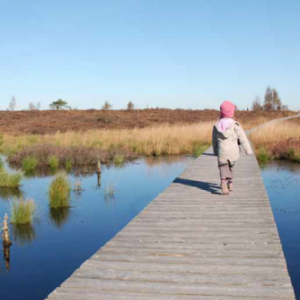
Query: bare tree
(256,105)
(272,101)
(12,104)
(33,106)
(106,106)
(130,105)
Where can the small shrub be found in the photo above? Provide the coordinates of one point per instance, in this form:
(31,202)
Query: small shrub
(130,105)
(263,155)
(106,105)
(53,162)
(29,164)
(59,192)
(8,180)
(118,159)
(22,212)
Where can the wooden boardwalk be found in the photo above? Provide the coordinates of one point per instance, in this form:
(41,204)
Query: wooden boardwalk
(192,243)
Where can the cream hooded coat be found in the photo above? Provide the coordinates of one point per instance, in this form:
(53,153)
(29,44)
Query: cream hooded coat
(226,143)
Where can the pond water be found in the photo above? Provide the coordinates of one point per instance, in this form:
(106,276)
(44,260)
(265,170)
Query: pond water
(45,254)
(282,181)
(42,256)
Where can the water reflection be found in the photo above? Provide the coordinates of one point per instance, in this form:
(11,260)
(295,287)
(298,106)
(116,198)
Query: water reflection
(23,233)
(9,193)
(6,256)
(282,183)
(98,181)
(97,218)
(60,216)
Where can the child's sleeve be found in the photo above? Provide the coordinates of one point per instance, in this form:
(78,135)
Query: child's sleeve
(214,141)
(244,140)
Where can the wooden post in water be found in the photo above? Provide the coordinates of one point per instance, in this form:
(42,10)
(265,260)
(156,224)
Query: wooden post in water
(99,166)
(98,173)
(5,235)
(6,242)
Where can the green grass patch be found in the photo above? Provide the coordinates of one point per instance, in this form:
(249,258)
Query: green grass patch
(263,155)
(1,164)
(119,159)
(53,162)
(10,180)
(199,149)
(59,192)
(22,212)
(68,165)
(29,164)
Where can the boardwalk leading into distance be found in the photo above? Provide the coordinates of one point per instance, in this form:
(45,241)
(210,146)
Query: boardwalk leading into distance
(192,243)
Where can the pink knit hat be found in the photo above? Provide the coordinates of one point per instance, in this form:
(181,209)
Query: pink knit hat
(227,109)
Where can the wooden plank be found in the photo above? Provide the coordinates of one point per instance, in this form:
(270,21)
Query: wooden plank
(192,243)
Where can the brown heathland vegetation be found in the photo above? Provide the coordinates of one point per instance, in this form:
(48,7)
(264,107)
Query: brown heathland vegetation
(81,137)
(42,122)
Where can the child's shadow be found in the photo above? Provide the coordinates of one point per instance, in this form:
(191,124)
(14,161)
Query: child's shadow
(212,188)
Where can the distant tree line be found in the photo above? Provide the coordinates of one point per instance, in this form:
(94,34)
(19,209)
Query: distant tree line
(272,102)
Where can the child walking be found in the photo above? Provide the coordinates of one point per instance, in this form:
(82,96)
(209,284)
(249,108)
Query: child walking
(228,135)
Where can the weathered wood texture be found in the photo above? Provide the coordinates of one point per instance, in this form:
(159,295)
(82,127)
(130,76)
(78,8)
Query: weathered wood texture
(192,243)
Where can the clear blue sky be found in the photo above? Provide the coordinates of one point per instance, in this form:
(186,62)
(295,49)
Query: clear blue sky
(166,53)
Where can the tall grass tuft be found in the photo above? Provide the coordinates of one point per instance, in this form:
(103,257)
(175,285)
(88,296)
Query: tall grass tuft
(29,165)
(53,162)
(263,155)
(1,164)
(8,180)
(22,212)
(68,165)
(119,159)
(59,192)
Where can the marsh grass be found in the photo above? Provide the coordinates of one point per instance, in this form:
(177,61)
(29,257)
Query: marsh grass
(29,165)
(68,165)
(279,140)
(119,159)
(1,164)
(53,162)
(22,211)
(199,150)
(155,140)
(263,155)
(10,180)
(59,192)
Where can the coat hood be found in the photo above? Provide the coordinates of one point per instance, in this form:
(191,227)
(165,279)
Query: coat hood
(229,127)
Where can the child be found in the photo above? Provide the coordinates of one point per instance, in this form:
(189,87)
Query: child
(227,136)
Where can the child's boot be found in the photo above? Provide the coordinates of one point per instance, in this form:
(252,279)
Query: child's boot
(224,187)
(230,185)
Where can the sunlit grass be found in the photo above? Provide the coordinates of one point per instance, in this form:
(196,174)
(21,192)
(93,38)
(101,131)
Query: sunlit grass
(155,140)
(59,192)
(10,180)
(22,211)
(29,164)
(53,162)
